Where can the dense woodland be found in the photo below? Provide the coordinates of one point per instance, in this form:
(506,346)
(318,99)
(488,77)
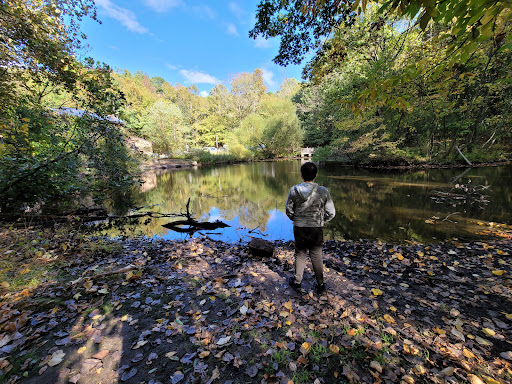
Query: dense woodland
(389,83)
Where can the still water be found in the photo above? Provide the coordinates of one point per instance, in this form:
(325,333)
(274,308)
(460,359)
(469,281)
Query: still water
(395,206)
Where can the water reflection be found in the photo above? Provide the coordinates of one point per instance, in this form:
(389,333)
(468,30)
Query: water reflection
(392,206)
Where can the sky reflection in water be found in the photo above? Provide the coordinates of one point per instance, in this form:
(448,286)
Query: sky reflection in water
(393,206)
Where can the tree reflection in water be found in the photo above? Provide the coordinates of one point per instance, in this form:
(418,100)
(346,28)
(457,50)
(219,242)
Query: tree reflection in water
(391,206)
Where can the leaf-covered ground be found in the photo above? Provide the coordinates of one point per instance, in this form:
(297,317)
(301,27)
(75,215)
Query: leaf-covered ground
(83,310)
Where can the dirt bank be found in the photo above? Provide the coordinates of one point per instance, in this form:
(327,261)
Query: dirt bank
(201,311)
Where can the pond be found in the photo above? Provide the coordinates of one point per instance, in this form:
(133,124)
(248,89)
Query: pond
(394,206)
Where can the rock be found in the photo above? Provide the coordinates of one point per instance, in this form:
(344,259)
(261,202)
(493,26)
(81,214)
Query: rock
(260,247)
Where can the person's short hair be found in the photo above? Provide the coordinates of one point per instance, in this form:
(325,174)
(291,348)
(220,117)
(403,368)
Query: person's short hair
(308,171)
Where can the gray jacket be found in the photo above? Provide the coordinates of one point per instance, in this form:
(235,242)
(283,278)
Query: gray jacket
(309,205)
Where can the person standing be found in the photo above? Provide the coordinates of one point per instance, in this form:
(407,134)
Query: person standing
(309,206)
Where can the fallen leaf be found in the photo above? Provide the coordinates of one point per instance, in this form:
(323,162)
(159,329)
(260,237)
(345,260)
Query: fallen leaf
(389,319)
(56,358)
(498,272)
(334,349)
(506,355)
(223,340)
(482,341)
(177,377)
(458,334)
(490,380)
(81,350)
(448,371)
(215,376)
(252,371)
(488,332)
(376,292)
(375,365)
(139,344)
(468,354)
(473,379)
(305,347)
(420,369)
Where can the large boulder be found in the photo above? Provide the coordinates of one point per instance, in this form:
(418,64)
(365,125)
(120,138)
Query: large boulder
(260,247)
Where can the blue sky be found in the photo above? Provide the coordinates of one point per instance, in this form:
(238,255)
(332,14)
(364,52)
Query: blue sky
(201,42)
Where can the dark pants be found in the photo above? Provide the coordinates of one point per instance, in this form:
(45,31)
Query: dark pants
(312,239)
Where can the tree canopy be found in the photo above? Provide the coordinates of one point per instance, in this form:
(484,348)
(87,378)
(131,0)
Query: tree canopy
(46,152)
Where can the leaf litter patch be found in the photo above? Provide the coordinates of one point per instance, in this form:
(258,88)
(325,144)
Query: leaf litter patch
(208,312)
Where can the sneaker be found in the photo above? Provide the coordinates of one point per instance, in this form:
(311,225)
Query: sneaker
(293,284)
(320,288)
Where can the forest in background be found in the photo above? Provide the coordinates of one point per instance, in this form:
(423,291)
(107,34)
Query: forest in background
(388,84)
(245,119)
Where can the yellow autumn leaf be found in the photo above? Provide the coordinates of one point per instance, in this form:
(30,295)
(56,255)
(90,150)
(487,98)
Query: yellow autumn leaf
(203,354)
(288,305)
(334,349)
(430,273)
(482,341)
(88,284)
(393,309)
(306,345)
(54,310)
(377,292)
(81,350)
(508,315)
(488,332)
(490,380)
(389,319)
(420,253)
(440,331)
(468,354)
(351,332)
(498,272)
(284,314)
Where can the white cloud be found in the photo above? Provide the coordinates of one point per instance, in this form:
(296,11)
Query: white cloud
(204,11)
(203,93)
(123,15)
(261,42)
(232,30)
(170,66)
(268,77)
(161,6)
(196,77)
(236,10)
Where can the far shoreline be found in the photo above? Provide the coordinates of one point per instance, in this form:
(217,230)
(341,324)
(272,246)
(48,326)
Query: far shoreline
(180,164)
